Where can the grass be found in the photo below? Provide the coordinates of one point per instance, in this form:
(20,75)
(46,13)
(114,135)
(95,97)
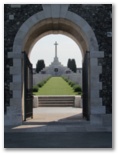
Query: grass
(56,86)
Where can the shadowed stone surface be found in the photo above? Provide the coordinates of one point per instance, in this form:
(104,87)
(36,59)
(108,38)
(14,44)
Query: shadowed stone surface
(58,140)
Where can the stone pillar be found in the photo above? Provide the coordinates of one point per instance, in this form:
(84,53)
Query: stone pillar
(35,101)
(14,111)
(78,102)
(96,107)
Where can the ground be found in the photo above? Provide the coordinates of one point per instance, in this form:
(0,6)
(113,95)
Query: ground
(56,86)
(54,127)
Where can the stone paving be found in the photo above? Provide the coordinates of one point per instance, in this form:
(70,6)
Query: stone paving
(57,119)
(54,127)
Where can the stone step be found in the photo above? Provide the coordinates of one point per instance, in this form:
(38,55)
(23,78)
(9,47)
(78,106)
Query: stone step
(56,98)
(56,101)
(55,105)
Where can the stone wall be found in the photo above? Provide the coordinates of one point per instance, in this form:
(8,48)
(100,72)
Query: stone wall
(14,16)
(75,77)
(39,77)
(99,18)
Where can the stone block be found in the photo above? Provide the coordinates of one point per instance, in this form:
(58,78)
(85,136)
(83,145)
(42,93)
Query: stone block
(15,5)
(75,18)
(14,55)
(96,101)
(16,62)
(17,78)
(96,119)
(55,10)
(94,62)
(20,33)
(47,10)
(13,119)
(15,102)
(96,85)
(97,109)
(94,93)
(78,102)
(35,101)
(95,70)
(24,27)
(16,93)
(15,86)
(17,48)
(40,16)
(15,70)
(11,17)
(97,54)
(63,10)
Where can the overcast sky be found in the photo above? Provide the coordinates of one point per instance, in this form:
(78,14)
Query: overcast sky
(45,49)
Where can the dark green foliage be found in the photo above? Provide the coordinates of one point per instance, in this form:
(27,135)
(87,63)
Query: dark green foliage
(35,89)
(40,84)
(72,84)
(66,79)
(43,82)
(40,65)
(74,68)
(72,65)
(77,88)
(68,63)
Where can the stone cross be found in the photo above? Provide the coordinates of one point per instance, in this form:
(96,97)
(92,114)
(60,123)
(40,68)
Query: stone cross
(55,49)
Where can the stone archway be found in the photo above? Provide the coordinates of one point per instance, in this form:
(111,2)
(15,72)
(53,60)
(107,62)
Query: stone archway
(56,19)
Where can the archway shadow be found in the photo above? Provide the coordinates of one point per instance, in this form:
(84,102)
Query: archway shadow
(68,120)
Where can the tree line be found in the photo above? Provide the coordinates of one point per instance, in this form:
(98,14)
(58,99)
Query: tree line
(70,64)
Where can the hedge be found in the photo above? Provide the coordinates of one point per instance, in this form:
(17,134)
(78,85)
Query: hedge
(35,89)
(77,88)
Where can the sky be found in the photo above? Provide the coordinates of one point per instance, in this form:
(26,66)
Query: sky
(45,49)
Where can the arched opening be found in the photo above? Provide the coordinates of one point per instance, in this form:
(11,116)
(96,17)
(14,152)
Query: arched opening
(73,26)
(58,26)
(44,49)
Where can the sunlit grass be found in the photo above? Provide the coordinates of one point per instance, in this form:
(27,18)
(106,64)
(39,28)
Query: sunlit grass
(56,86)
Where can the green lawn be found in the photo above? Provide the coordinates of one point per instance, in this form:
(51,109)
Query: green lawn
(56,86)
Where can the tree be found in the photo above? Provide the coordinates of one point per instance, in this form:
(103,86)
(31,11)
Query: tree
(40,65)
(68,63)
(74,68)
(72,65)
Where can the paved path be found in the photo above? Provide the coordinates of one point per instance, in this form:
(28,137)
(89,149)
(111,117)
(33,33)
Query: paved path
(55,119)
(57,128)
(52,114)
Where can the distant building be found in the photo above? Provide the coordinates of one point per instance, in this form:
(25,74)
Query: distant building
(34,70)
(79,70)
(56,68)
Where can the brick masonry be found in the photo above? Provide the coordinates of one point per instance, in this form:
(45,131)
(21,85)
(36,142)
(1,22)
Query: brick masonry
(98,17)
